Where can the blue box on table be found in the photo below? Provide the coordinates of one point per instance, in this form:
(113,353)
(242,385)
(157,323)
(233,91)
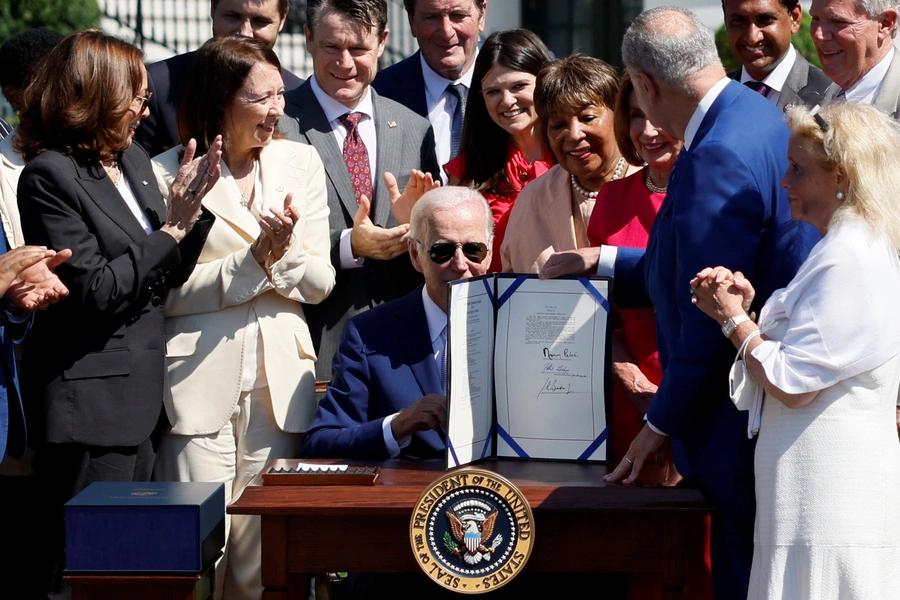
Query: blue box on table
(145,527)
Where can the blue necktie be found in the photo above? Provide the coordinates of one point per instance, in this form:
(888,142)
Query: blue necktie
(456,127)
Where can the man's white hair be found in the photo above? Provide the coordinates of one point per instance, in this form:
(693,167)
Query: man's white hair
(670,44)
(446,198)
(876,8)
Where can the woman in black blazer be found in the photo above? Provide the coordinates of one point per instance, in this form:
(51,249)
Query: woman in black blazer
(94,370)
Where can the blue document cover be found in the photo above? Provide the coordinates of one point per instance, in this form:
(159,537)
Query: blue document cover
(145,527)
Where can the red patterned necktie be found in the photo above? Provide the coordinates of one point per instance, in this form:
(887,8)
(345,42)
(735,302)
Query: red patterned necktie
(356,157)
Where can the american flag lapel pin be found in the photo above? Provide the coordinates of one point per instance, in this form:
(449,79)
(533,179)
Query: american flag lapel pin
(392,124)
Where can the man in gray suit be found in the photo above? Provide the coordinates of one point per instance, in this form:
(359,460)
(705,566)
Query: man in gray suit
(759,33)
(855,43)
(360,136)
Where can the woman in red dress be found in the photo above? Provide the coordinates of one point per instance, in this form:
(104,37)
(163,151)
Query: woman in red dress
(503,146)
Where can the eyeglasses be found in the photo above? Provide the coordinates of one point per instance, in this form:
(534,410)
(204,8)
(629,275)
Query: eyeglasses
(144,100)
(441,252)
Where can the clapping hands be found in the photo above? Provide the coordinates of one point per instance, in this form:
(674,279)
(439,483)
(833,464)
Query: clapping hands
(27,277)
(277,233)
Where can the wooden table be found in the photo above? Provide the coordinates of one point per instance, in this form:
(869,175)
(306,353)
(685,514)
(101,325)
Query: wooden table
(142,586)
(581,523)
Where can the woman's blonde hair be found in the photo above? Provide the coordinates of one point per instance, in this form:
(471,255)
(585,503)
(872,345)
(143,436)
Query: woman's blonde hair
(863,142)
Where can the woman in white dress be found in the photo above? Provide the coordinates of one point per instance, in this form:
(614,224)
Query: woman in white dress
(826,359)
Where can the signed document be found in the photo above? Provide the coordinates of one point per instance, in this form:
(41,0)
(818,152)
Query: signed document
(527,368)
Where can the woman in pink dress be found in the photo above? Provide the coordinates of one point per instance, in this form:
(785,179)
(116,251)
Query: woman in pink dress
(503,146)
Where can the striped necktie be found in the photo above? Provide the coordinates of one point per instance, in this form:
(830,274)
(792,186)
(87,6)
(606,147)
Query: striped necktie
(456,127)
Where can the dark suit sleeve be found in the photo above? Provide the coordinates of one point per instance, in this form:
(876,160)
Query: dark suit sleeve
(341,427)
(629,284)
(190,248)
(51,206)
(720,223)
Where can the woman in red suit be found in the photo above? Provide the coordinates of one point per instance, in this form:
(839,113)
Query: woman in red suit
(623,215)
(503,145)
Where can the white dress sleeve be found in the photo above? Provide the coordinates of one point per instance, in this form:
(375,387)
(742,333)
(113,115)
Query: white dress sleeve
(840,309)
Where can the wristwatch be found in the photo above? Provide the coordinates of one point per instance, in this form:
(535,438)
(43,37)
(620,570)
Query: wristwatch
(731,324)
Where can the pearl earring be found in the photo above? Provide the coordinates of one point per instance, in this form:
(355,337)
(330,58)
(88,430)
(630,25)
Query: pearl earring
(840,195)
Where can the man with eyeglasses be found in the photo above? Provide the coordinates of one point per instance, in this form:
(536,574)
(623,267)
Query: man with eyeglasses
(387,398)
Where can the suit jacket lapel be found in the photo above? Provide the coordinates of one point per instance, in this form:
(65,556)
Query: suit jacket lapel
(103,192)
(726,96)
(317,131)
(224,201)
(279,174)
(389,136)
(415,85)
(889,94)
(143,184)
(831,92)
(557,204)
(795,81)
(419,352)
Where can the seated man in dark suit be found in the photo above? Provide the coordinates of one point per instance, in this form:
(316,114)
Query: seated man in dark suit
(361,136)
(434,82)
(262,19)
(759,34)
(387,396)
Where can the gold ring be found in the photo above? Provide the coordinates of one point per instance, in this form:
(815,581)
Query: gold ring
(629,461)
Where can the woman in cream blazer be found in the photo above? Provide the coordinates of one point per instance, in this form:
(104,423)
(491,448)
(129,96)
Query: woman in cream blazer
(240,359)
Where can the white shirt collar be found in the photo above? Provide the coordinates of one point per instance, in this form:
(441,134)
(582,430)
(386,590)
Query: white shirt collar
(866,89)
(777,76)
(435,85)
(436,318)
(334,109)
(705,104)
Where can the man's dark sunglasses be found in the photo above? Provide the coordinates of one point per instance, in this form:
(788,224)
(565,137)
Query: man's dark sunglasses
(441,252)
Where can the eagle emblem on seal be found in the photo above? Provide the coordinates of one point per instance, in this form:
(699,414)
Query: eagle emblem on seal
(472,524)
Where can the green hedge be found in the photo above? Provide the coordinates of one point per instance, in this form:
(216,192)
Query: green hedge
(64,16)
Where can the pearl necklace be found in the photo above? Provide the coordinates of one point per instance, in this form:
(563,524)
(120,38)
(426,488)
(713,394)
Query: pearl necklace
(648,183)
(620,168)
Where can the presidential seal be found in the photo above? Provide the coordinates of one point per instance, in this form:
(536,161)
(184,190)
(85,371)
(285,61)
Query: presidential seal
(472,531)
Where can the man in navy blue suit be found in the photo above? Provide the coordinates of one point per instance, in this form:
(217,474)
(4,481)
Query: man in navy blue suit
(434,82)
(387,395)
(261,19)
(724,206)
